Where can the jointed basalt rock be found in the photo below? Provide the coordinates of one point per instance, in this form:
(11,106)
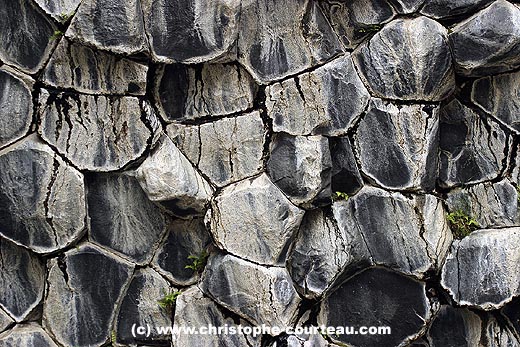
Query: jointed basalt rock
(61,10)
(464,326)
(407,6)
(27,335)
(5,320)
(451,8)
(345,173)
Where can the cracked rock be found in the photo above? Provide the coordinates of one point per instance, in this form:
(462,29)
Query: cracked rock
(5,320)
(60,10)
(488,42)
(345,173)
(122,218)
(298,37)
(498,335)
(74,300)
(378,297)
(407,6)
(451,8)
(254,220)
(22,280)
(263,295)
(464,327)
(511,312)
(15,105)
(398,145)
(42,199)
(27,335)
(225,151)
(327,101)
(483,270)
(409,59)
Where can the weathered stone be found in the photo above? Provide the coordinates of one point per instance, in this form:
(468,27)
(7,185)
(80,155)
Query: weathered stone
(463,325)
(42,199)
(25,35)
(27,335)
(191,31)
(113,25)
(254,220)
(409,59)
(473,148)
(22,281)
(397,145)
(489,204)
(378,297)
(407,6)
(263,295)
(15,105)
(328,100)
(345,173)
(61,10)
(186,238)
(225,151)
(122,218)
(488,42)
(511,312)
(451,8)
(97,133)
(187,92)
(76,300)
(483,270)
(168,177)
(95,72)
(313,340)
(499,96)
(279,39)
(140,306)
(498,335)
(5,320)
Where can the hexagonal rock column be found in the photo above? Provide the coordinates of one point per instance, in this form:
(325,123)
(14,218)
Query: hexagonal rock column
(43,204)
(61,10)
(27,335)
(483,270)
(345,173)
(451,8)
(378,297)
(328,100)
(254,220)
(489,42)
(409,59)
(22,281)
(397,145)
(74,300)
(262,295)
(464,328)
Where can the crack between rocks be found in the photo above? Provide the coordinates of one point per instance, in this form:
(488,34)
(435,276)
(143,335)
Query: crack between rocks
(48,219)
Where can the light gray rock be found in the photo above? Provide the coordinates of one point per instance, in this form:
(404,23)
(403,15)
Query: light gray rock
(95,72)
(483,269)
(301,167)
(464,328)
(345,173)
(22,281)
(42,199)
(409,59)
(225,151)
(407,6)
(278,39)
(61,10)
(472,148)
(262,295)
(186,92)
(27,335)
(397,145)
(15,105)
(450,8)
(96,133)
(5,320)
(328,100)
(75,300)
(488,42)
(254,220)
(168,177)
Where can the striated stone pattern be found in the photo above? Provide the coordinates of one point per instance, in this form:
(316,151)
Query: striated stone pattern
(28,335)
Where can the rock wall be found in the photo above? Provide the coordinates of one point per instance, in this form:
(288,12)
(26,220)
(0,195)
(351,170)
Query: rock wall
(281,163)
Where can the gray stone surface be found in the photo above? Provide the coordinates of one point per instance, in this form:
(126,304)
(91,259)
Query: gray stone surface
(273,46)
(345,173)
(15,105)
(254,220)
(186,92)
(464,328)
(96,133)
(499,335)
(488,42)
(328,100)
(27,335)
(397,145)
(61,10)
(511,312)
(483,270)
(225,151)
(451,8)
(263,295)
(5,320)
(75,300)
(42,201)
(409,59)
(407,6)
(22,280)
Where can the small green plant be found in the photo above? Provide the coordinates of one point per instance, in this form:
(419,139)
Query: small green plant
(461,224)
(113,338)
(56,35)
(339,196)
(169,299)
(369,29)
(518,195)
(198,261)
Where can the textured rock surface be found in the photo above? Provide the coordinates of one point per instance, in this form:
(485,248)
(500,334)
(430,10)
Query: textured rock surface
(450,8)
(61,10)
(511,312)
(27,335)
(254,220)
(345,173)
(499,335)
(42,206)
(407,6)
(483,269)
(463,325)
(5,320)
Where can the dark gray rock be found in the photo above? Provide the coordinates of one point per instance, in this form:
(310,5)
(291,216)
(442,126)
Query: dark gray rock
(22,281)
(397,145)
(464,328)
(5,320)
(407,6)
(15,105)
(42,199)
(488,42)
(451,8)
(345,173)
(409,59)
(511,312)
(78,295)
(61,10)
(27,335)
(278,39)
(499,335)
(328,100)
